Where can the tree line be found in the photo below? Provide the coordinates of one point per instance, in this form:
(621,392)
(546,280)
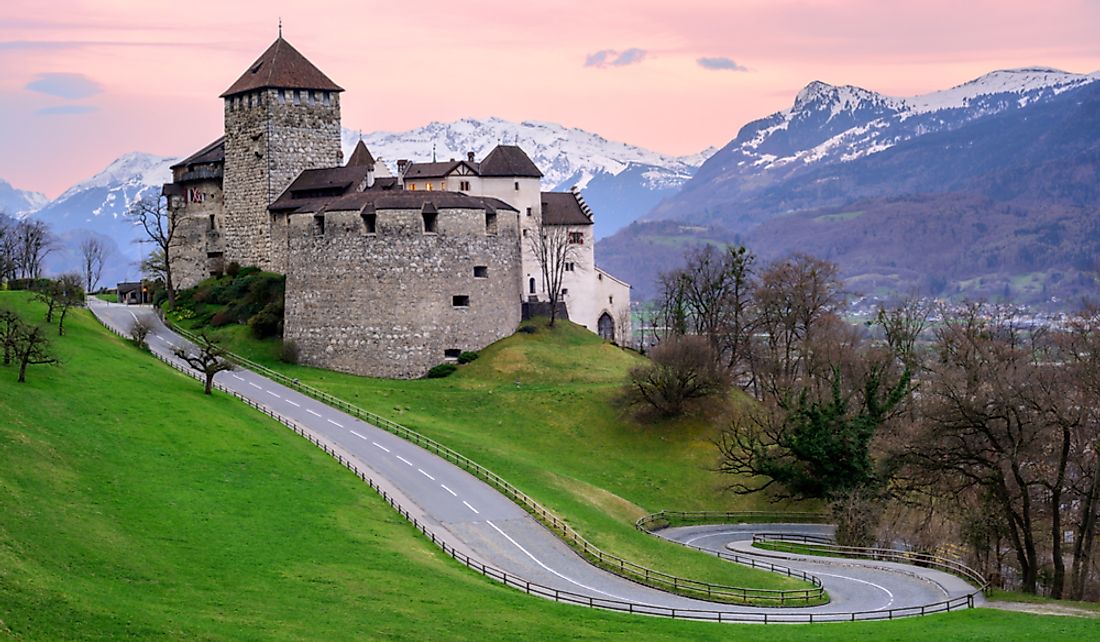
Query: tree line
(932,424)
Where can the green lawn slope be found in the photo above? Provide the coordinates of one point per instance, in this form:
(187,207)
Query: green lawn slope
(133,507)
(539,410)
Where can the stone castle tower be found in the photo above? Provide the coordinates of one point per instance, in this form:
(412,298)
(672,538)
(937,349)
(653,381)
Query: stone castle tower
(282,117)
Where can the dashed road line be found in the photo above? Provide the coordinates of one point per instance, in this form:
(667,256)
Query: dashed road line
(380,446)
(335,423)
(426,474)
(449,490)
(358,435)
(294,403)
(238,377)
(313,412)
(256,386)
(404,460)
(476,511)
(272,394)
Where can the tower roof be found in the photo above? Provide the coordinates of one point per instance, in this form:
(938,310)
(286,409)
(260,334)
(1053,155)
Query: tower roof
(281,67)
(509,160)
(361,156)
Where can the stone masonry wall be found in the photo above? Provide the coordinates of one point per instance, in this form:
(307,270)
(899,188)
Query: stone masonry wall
(271,136)
(192,239)
(382,304)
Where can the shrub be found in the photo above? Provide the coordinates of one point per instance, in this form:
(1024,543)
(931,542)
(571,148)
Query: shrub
(222,317)
(467,357)
(288,352)
(268,322)
(682,369)
(233,269)
(139,331)
(528,329)
(442,370)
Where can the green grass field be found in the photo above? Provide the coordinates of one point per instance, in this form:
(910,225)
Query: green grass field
(133,507)
(538,409)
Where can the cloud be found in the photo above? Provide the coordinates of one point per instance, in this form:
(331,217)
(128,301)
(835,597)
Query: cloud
(720,64)
(71,86)
(613,58)
(67,110)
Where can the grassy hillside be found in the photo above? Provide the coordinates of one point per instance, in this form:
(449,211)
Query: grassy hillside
(538,409)
(132,507)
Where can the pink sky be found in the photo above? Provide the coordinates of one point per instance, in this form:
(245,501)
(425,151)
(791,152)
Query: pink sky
(83,82)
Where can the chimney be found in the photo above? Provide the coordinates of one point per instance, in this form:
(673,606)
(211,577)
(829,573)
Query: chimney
(402,165)
(470,156)
(370,176)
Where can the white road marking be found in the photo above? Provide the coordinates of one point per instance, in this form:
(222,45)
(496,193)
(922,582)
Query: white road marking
(256,386)
(380,446)
(133,315)
(358,435)
(238,378)
(476,511)
(312,412)
(449,490)
(852,579)
(272,394)
(335,423)
(404,460)
(294,403)
(426,474)
(567,579)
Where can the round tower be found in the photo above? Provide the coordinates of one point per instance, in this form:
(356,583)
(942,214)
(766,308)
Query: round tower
(282,116)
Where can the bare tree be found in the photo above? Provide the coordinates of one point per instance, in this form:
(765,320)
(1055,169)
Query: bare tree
(682,369)
(93,255)
(209,360)
(7,248)
(139,331)
(33,243)
(10,326)
(71,295)
(32,348)
(553,248)
(159,224)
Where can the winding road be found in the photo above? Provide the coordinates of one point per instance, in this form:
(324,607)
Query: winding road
(479,521)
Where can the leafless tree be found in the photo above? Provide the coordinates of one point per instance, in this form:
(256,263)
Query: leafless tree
(159,224)
(139,331)
(554,248)
(209,360)
(682,369)
(71,296)
(32,348)
(93,255)
(10,326)
(7,248)
(33,243)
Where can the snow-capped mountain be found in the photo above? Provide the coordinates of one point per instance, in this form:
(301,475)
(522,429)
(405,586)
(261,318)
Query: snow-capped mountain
(620,181)
(17,202)
(829,124)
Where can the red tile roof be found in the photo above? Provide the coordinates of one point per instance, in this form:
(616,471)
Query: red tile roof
(281,67)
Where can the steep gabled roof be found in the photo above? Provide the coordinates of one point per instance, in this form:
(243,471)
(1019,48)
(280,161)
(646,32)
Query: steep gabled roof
(212,153)
(281,67)
(361,157)
(509,160)
(564,208)
(437,170)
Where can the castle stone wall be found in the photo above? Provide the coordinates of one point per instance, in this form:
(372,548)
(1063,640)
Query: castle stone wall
(196,246)
(382,304)
(271,136)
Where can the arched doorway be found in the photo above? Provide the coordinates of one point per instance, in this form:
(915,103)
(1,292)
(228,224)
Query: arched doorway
(531,285)
(606,327)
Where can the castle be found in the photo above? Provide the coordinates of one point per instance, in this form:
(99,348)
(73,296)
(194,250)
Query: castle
(386,274)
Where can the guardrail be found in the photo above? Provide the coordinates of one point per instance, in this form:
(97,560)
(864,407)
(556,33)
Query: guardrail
(568,597)
(665,518)
(916,558)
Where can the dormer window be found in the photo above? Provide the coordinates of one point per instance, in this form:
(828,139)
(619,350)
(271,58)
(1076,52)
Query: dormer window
(370,223)
(431,222)
(319,224)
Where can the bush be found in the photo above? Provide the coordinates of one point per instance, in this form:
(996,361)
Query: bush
(267,322)
(233,269)
(682,369)
(28,284)
(442,370)
(288,352)
(528,329)
(222,317)
(467,357)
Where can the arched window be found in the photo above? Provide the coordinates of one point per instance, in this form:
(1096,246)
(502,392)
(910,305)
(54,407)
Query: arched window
(531,285)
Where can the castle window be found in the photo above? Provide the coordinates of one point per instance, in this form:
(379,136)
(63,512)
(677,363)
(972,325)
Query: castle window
(491,223)
(327,98)
(464,186)
(576,238)
(461,300)
(428,186)
(212,225)
(412,187)
(451,353)
(294,97)
(611,300)
(370,223)
(431,222)
(517,186)
(481,271)
(524,233)
(319,224)
(531,285)
(528,211)
(569,267)
(564,291)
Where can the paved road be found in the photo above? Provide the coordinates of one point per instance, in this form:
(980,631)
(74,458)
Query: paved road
(482,523)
